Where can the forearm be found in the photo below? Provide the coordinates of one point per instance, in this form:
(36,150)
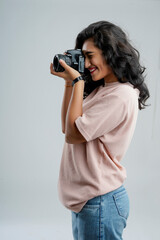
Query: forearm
(72,100)
(74,109)
(65,103)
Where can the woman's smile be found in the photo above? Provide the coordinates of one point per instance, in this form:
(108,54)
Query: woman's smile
(92,70)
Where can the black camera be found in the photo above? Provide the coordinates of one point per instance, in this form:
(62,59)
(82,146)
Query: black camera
(74,58)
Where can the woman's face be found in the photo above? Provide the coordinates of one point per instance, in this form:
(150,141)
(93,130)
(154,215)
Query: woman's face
(96,63)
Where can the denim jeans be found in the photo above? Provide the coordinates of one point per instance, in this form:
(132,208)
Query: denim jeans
(103,217)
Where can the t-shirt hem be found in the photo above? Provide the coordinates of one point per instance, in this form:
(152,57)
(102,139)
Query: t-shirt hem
(77,208)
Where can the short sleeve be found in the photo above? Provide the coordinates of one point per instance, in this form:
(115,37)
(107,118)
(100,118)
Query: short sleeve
(106,114)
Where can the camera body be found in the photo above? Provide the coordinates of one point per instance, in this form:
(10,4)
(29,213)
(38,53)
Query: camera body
(74,58)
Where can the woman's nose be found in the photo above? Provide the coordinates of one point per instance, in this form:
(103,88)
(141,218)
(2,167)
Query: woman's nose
(87,63)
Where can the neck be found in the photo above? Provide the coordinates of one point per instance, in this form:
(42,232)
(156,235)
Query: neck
(110,78)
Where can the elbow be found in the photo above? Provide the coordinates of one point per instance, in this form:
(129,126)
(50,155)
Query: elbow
(63,131)
(68,139)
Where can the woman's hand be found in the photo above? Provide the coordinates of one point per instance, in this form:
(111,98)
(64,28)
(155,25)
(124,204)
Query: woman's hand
(69,74)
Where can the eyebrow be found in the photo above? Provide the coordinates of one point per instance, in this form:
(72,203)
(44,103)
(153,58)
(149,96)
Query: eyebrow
(86,52)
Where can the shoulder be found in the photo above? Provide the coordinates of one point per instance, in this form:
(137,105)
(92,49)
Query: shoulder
(122,91)
(127,91)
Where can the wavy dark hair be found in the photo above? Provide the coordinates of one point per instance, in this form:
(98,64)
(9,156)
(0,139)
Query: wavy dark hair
(119,54)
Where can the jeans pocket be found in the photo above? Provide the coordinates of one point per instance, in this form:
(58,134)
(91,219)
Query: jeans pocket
(122,203)
(93,203)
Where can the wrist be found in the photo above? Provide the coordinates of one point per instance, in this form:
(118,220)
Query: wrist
(77,79)
(68,85)
(68,81)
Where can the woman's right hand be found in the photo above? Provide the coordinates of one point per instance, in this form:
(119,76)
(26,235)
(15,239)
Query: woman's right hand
(69,73)
(67,80)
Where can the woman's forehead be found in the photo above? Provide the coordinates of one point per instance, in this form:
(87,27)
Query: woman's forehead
(88,46)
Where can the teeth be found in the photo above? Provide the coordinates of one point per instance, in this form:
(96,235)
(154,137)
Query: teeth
(91,70)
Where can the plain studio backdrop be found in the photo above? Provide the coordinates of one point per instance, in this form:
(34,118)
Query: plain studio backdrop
(32,32)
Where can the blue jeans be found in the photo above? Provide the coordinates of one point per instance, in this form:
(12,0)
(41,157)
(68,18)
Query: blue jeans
(103,217)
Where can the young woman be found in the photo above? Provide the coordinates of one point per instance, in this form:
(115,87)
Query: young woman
(99,115)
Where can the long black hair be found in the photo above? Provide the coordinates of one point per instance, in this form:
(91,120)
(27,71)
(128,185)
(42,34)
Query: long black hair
(120,55)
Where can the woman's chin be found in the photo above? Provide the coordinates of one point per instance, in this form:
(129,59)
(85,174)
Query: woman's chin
(95,79)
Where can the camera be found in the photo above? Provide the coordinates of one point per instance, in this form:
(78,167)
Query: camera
(74,58)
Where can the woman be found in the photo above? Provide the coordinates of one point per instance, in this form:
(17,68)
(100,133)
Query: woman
(99,115)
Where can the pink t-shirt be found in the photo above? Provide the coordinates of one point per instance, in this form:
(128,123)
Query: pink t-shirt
(93,168)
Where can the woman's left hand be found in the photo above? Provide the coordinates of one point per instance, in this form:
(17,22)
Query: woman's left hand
(69,74)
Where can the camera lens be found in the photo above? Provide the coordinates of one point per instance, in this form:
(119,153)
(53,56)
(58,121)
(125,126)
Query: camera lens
(57,66)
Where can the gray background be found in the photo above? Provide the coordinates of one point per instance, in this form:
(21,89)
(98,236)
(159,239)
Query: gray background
(31,140)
